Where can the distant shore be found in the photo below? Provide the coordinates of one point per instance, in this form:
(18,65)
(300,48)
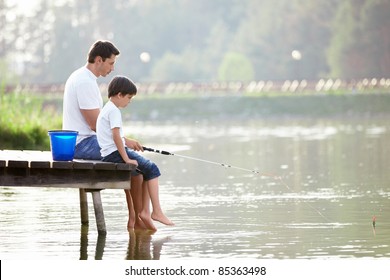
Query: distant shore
(242,107)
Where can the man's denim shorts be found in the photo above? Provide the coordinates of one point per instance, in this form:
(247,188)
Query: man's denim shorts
(148,168)
(88,148)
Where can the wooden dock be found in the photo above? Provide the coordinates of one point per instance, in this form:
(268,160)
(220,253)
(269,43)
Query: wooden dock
(37,169)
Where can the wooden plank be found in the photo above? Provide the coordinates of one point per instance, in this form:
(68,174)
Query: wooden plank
(125,166)
(64,177)
(62,165)
(11,155)
(122,185)
(41,159)
(83,165)
(105,166)
(18,164)
(35,168)
(37,155)
(40,164)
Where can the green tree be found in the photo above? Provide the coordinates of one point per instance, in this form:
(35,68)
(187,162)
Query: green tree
(376,38)
(345,58)
(235,67)
(347,39)
(273,29)
(360,45)
(9,35)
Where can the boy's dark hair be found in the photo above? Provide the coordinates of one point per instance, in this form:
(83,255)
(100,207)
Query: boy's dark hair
(104,49)
(123,85)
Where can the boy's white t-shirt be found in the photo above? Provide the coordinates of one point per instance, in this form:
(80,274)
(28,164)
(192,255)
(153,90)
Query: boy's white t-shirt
(110,117)
(81,92)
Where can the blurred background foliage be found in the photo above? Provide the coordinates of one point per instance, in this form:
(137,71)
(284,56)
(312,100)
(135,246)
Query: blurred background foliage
(203,40)
(43,41)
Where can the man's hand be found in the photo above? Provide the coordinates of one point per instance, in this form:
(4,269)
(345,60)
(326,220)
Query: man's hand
(133,144)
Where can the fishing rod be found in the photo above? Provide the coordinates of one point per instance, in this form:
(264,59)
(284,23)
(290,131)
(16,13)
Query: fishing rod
(234,167)
(210,162)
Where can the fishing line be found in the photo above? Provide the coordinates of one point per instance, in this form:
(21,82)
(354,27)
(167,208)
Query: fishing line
(211,162)
(234,167)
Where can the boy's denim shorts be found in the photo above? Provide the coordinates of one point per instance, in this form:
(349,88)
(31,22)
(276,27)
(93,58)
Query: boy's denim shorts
(88,148)
(148,168)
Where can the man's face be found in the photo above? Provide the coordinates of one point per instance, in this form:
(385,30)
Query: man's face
(105,67)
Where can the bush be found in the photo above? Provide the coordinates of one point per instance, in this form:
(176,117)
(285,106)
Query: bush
(25,120)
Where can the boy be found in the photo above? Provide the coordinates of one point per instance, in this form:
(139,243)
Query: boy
(113,148)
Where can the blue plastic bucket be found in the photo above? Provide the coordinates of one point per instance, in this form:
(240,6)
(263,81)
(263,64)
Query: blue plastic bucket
(62,144)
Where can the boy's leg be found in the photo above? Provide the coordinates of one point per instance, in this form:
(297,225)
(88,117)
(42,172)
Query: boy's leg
(151,174)
(158,214)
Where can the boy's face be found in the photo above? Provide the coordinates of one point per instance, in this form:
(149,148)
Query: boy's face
(107,66)
(124,100)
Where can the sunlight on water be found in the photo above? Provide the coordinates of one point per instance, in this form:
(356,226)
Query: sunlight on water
(318,190)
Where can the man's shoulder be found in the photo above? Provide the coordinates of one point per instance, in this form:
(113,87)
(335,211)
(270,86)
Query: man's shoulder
(81,75)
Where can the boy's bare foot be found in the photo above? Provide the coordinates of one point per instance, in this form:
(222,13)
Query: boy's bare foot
(148,222)
(162,219)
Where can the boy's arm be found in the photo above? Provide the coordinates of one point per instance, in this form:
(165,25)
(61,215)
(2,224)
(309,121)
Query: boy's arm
(133,144)
(121,148)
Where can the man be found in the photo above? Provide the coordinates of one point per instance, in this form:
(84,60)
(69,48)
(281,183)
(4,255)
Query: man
(81,108)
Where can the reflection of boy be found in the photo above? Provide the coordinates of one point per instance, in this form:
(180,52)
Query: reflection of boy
(113,147)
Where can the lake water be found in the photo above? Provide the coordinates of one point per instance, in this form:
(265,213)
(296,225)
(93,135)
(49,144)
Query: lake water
(321,183)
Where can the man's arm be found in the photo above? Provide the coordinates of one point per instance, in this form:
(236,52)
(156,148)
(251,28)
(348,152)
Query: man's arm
(91,117)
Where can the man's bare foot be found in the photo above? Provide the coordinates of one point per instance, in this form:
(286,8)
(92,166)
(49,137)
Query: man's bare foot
(162,219)
(139,225)
(148,222)
(130,224)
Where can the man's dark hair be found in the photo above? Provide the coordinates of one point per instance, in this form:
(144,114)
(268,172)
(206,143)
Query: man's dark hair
(104,49)
(123,85)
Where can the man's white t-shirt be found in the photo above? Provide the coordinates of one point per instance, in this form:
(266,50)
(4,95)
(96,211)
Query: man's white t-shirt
(81,92)
(110,117)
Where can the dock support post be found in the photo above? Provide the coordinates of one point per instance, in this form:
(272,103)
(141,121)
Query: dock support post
(83,207)
(99,214)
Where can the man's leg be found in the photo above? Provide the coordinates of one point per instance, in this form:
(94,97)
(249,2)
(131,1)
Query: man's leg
(136,194)
(130,207)
(145,212)
(88,148)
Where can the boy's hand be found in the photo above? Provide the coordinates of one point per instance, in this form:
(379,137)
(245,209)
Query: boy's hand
(134,144)
(133,162)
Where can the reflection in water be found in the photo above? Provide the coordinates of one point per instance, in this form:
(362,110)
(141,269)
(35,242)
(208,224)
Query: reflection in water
(100,244)
(84,242)
(141,246)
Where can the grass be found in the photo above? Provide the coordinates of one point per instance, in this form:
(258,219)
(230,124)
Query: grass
(25,120)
